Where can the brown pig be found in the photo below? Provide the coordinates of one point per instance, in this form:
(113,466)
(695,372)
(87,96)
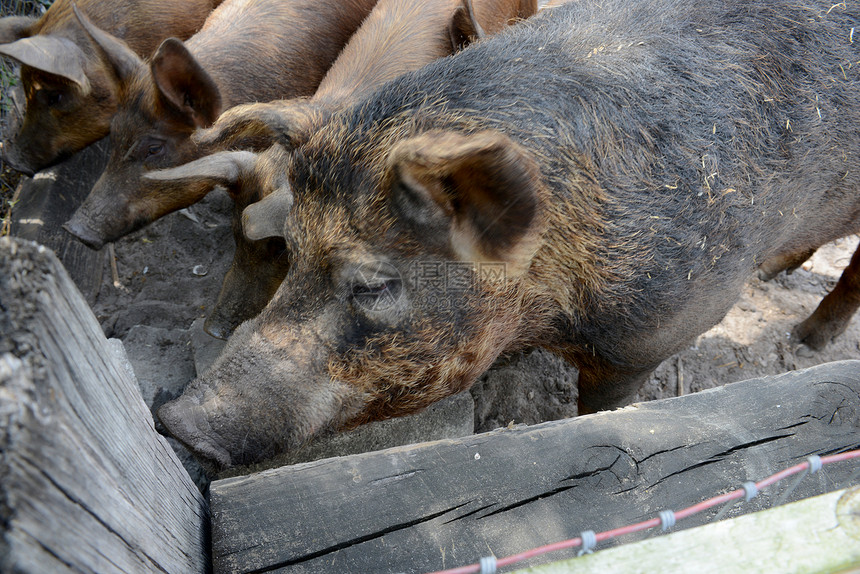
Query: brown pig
(600,180)
(70,94)
(484,18)
(397,36)
(260,260)
(247,50)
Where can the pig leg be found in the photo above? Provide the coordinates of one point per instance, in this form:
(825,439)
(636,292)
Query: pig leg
(787,262)
(834,312)
(602,386)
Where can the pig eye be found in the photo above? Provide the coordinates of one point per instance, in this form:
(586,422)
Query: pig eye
(147,148)
(51,98)
(376,295)
(154,148)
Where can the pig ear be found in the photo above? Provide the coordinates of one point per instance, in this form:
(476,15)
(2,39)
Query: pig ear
(464,28)
(478,193)
(266,217)
(260,125)
(122,60)
(222,168)
(57,56)
(185,84)
(527,9)
(14,28)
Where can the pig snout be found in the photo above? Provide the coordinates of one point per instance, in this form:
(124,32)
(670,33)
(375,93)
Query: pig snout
(218,326)
(185,419)
(240,299)
(103,217)
(80,228)
(206,419)
(257,271)
(10,151)
(254,403)
(13,158)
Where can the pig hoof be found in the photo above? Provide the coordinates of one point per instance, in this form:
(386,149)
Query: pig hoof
(764,275)
(83,234)
(810,341)
(804,352)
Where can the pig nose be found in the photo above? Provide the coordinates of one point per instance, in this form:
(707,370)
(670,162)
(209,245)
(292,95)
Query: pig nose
(184,418)
(83,233)
(10,158)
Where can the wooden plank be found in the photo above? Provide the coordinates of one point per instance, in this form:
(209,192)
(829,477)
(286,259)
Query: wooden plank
(49,199)
(448,503)
(88,485)
(820,534)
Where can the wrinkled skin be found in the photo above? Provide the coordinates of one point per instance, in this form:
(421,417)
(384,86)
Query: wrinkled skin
(397,36)
(70,93)
(626,209)
(248,50)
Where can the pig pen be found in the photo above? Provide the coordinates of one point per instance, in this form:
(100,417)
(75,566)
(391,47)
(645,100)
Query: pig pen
(153,288)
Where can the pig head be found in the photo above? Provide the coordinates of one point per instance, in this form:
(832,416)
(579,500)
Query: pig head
(247,51)
(162,103)
(68,97)
(260,261)
(69,91)
(352,335)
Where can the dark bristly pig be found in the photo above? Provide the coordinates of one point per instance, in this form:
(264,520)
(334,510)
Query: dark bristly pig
(397,36)
(247,51)
(70,96)
(600,180)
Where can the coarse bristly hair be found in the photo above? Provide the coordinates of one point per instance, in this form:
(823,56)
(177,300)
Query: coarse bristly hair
(660,139)
(671,147)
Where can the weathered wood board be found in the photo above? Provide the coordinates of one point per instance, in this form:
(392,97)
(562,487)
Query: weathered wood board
(819,534)
(87,484)
(448,503)
(49,199)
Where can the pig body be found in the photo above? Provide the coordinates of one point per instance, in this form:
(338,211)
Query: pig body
(70,95)
(397,36)
(600,181)
(248,50)
(404,35)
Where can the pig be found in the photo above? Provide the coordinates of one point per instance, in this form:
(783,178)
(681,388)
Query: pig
(397,36)
(70,96)
(600,180)
(247,50)
(260,261)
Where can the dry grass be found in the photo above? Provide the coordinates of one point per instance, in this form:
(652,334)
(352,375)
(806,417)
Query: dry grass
(8,78)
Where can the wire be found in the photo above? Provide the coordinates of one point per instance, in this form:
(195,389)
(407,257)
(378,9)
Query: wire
(748,491)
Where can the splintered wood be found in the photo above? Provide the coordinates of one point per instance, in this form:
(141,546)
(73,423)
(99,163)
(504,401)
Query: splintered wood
(448,503)
(88,485)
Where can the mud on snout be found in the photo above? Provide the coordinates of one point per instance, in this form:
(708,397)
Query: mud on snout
(257,401)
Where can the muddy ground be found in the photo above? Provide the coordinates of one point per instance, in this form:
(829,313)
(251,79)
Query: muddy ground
(169,275)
